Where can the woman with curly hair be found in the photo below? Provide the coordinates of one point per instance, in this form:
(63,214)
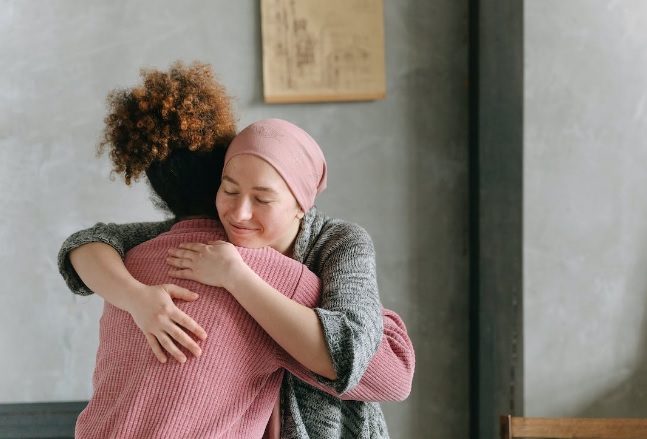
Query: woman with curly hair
(352,346)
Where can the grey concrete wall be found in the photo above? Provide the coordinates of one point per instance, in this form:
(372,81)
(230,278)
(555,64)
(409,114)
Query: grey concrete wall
(397,166)
(585,241)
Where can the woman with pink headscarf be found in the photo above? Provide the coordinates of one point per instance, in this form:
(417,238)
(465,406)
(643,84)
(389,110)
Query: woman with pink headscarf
(268,166)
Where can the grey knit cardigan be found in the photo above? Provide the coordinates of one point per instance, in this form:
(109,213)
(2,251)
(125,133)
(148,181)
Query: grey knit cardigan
(343,256)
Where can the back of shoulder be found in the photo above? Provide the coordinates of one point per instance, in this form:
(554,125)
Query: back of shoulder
(324,237)
(339,232)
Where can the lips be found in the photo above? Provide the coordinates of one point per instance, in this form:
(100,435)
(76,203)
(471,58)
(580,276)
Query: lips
(240,229)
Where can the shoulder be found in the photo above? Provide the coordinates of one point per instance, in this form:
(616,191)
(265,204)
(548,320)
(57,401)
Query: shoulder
(266,260)
(324,237)
(335,232)
(182,231)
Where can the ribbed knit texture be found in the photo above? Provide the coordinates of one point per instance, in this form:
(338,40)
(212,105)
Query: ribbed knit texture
(228,392)
(370,347)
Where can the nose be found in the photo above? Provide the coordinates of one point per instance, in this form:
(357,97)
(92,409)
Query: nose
(242,209)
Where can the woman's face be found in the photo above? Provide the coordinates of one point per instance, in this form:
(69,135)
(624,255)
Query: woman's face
(256,206)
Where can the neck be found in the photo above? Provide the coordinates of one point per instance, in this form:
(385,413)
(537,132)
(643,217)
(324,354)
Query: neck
(288,248)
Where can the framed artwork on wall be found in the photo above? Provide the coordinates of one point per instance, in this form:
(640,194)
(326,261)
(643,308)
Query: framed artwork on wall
(323,51)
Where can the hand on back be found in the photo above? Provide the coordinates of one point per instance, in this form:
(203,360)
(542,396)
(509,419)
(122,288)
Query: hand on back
(163,323)
(216,263)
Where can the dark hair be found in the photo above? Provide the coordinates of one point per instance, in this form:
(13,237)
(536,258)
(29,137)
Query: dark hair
(186,182)
(175,128)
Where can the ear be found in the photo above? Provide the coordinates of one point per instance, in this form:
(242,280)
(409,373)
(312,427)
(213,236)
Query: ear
(300,214)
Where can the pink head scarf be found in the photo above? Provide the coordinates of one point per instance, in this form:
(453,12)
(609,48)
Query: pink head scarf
(290,150)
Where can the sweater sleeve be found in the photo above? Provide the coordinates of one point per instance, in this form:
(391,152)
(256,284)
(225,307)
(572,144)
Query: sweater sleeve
(350,311)
(389,374)
(121,237)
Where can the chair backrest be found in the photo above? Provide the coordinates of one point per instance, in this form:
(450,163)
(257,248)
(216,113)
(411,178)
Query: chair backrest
(572,428)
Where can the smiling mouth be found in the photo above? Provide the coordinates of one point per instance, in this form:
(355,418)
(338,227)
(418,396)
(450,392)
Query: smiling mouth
(241,229)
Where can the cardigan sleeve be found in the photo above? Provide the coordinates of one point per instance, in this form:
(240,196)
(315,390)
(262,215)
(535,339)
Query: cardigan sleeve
(350,311)
(121,237)
(389,374)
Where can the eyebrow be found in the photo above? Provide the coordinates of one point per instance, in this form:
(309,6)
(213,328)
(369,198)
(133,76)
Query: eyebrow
(256,188)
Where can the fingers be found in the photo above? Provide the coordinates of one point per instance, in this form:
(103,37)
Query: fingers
(176,334)
(181,274)
(175,262)
(180,258)
(186,253)
(178,262)
(178,317)
(191,246)
(155,346)
(181,337)
(181,319)
(171,347)
(174,327)
(176,258)
(177,292)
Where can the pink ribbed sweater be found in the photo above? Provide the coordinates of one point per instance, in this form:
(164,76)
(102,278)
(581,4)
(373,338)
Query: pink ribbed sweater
(229,391)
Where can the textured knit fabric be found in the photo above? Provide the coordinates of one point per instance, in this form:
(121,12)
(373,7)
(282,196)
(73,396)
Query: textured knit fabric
(343,256)
(354,325)
(229,391)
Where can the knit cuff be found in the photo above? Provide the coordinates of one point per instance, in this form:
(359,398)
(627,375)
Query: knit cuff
(349,360)
(65,267)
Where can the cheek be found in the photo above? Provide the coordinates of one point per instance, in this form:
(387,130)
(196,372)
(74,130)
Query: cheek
(221,203)
(280,221)
(267,218)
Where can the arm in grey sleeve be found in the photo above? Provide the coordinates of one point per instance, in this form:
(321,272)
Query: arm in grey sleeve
(121,237)
(389,374)
(350,310)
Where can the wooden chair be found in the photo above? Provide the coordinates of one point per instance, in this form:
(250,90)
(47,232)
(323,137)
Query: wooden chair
(571,428)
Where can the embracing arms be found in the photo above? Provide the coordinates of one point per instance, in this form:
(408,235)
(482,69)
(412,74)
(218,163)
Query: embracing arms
(121,237)
(292,325)
(91,261)
(387,375)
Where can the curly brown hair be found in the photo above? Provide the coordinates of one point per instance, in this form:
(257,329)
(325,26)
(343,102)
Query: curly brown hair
(184,108)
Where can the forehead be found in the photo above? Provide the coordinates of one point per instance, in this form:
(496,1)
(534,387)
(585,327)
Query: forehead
(251,171)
